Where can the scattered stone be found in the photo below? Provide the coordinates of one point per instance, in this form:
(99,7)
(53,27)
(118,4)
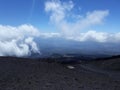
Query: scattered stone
(70,67)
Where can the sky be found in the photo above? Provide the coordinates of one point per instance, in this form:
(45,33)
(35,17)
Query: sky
(18,12)
(21,21)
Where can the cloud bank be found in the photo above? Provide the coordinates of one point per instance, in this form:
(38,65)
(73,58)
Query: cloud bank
(18,41)
(94,36)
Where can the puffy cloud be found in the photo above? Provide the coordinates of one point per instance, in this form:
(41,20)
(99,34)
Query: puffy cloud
(60,16)
(33,45)
(18,41)
(58,10)
(94,36)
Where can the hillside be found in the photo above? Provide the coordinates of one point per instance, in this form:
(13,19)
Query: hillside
(45,74)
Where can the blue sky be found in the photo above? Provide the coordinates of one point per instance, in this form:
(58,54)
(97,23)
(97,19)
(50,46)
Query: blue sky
(17,12)
(22,21)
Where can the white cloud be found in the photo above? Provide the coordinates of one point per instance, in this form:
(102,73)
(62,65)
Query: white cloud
(102,37)
(18,41)
(11,48)
(33,45)
(60,13)
(92,36)
(58,10)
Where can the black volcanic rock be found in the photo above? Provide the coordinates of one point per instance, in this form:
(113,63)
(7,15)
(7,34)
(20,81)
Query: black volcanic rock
(49,74)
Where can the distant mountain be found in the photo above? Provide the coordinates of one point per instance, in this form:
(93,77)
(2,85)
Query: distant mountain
(51,46)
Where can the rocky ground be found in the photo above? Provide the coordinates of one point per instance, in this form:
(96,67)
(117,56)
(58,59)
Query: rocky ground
(29,74)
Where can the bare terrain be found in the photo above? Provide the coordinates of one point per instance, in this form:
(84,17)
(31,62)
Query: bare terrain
(37,74)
